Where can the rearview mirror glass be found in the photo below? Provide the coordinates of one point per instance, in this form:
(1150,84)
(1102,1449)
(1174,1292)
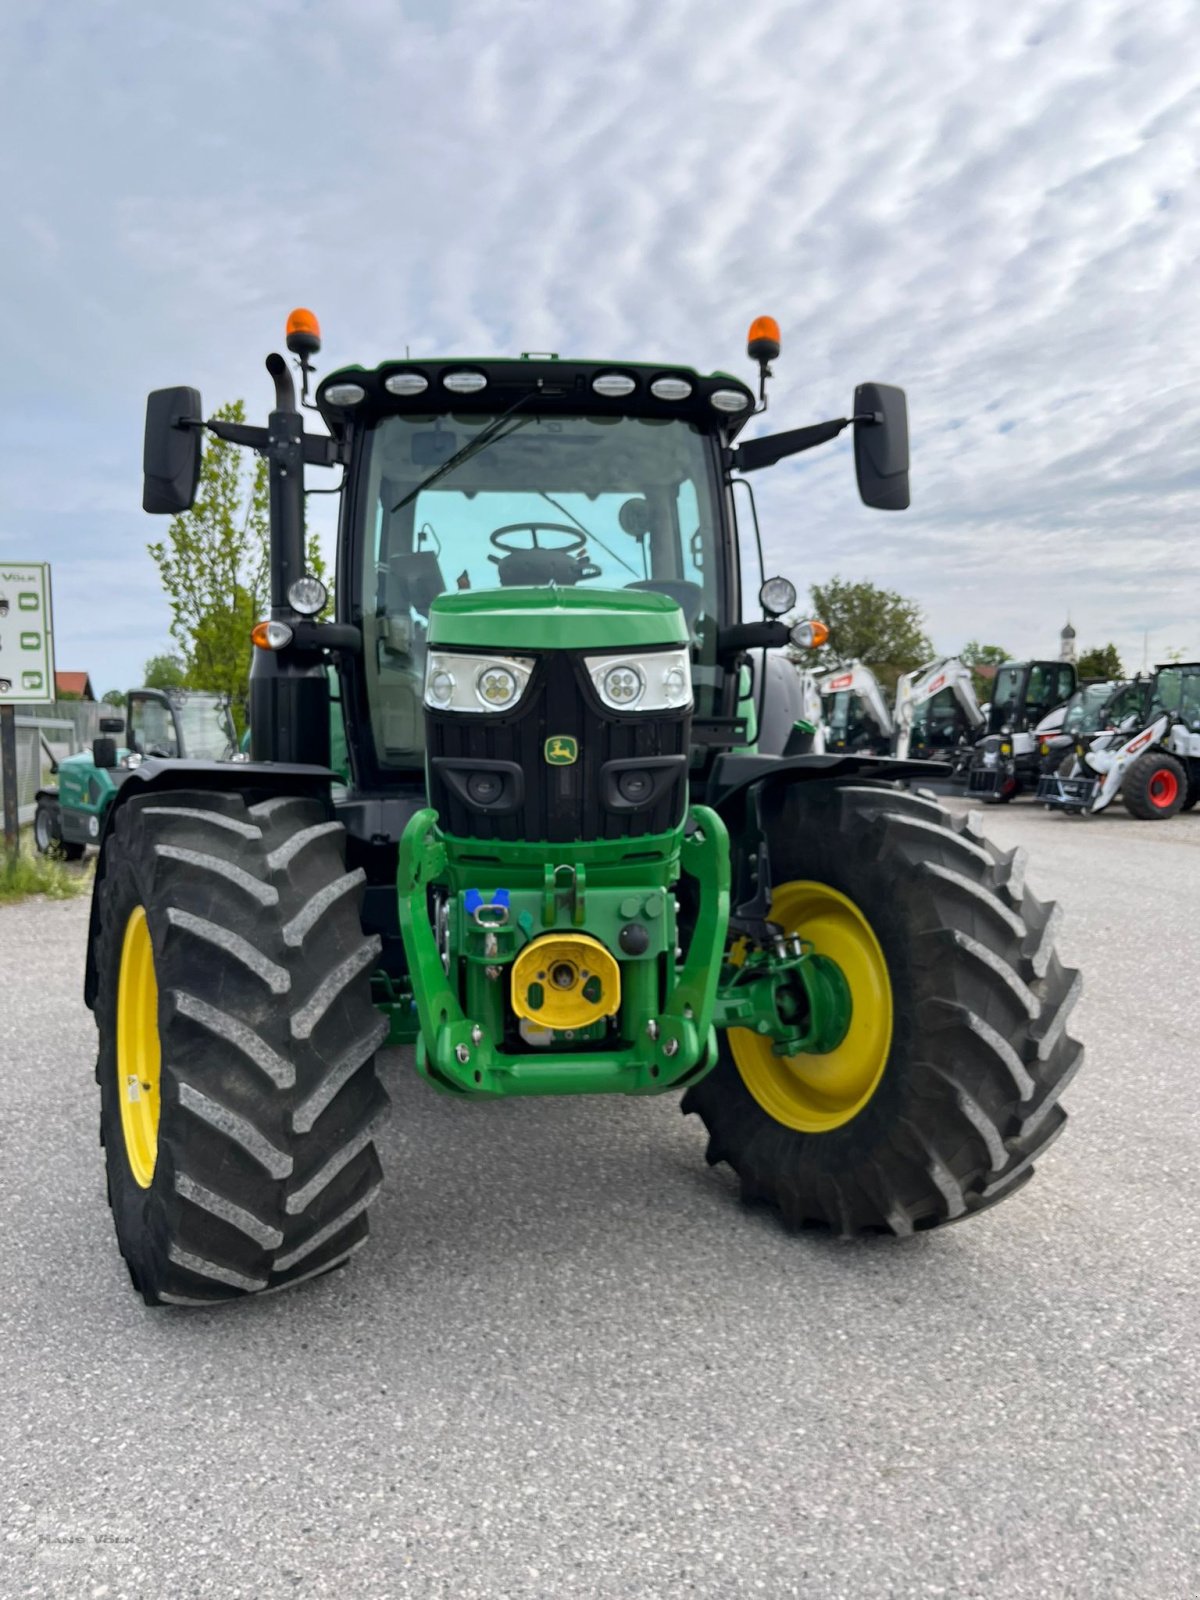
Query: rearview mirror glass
(881,446)
(171,453)
(433,446)
(112,724)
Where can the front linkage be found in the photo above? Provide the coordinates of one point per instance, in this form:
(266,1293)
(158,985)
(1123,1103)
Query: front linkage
(532,939)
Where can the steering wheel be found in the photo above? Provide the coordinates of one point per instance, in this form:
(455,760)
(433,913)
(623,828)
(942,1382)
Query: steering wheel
(576,538)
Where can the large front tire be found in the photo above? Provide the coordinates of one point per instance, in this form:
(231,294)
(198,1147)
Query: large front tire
(946,1087)
(238,1092)
(1155,787)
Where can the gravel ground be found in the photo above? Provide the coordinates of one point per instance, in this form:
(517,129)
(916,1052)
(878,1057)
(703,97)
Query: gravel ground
(570,1364)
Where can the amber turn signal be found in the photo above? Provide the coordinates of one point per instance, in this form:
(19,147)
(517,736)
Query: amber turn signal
(270,635)
(762,342)
(810,635)
(303,333)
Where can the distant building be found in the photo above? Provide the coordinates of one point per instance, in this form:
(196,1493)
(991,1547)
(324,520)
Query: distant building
(1066,649)
(78,685)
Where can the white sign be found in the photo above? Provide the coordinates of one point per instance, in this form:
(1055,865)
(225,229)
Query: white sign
(26,633)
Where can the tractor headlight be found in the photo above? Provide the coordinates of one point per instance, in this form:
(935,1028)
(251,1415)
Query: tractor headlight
(308,596)
(475,683)
(658,682)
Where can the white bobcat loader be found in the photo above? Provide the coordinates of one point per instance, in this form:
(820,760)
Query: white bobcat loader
(937,714)
(856,714)
(1152,763)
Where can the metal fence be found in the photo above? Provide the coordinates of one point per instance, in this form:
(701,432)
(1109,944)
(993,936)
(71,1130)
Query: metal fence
(62,736)
(82,715)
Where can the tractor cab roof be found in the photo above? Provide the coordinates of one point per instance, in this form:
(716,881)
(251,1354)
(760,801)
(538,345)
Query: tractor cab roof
(490,385)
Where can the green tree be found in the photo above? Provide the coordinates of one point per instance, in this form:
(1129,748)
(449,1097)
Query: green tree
(214,565)
(167,671)
(112,697)
(1102,662)
(976,655)
(877,626)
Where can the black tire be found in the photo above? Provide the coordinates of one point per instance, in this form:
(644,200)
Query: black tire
(47,834)
(1155,787)
(46,828)
(979,1054)
(1193,794)
(269,1099)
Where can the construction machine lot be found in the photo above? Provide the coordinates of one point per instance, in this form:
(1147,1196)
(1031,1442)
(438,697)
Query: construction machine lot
(570,1362)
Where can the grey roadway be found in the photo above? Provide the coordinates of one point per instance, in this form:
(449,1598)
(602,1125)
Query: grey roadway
(570,1363)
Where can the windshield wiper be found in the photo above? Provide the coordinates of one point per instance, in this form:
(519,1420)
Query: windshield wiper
(471,448)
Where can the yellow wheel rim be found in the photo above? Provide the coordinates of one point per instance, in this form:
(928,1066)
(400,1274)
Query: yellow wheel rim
(817,1093)
(139,1057)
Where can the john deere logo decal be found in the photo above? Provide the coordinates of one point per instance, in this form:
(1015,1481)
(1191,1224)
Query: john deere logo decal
(562,750)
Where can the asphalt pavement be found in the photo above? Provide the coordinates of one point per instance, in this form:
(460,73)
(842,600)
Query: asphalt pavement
(570,1363)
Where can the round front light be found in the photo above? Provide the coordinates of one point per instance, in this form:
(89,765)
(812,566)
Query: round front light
(465,382)
(344,394)
(614,384)
(496,687)
(776,596)
(670,388)
(623,685)
(406,383)
(441,687)
(307,596)
(729,400)
(675,686)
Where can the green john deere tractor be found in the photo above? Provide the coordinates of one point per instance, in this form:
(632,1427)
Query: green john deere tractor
(576,848)
(166,724)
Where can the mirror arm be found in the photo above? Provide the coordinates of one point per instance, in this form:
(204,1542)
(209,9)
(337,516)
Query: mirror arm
(765,452)
(319,449)
(236,432)
(740,636)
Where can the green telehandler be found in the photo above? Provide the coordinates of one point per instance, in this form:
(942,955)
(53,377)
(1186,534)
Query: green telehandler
(163,724)
(569,852)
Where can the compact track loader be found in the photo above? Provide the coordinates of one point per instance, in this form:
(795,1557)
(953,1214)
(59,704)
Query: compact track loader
(166,724)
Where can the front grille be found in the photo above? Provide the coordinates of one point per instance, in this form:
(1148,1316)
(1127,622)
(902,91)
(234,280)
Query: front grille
(489,777)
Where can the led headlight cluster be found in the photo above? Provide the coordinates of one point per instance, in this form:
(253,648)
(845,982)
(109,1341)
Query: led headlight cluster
(658,682)
(475,683)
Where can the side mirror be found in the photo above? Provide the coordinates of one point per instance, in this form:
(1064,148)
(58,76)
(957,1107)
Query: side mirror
(881,446)
(171,454)
(112,724)
(104,752)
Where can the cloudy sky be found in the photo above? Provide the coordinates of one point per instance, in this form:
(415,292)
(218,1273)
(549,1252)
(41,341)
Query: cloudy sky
(993,205)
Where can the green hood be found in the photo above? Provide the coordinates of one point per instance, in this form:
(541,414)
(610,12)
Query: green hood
(555,619)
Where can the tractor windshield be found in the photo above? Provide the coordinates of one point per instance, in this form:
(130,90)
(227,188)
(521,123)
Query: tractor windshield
(603,502)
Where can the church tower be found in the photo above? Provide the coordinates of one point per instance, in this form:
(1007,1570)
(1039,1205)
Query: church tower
(1066,649)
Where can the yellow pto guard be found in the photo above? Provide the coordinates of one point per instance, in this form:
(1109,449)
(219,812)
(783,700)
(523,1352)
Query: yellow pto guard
(565,982)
